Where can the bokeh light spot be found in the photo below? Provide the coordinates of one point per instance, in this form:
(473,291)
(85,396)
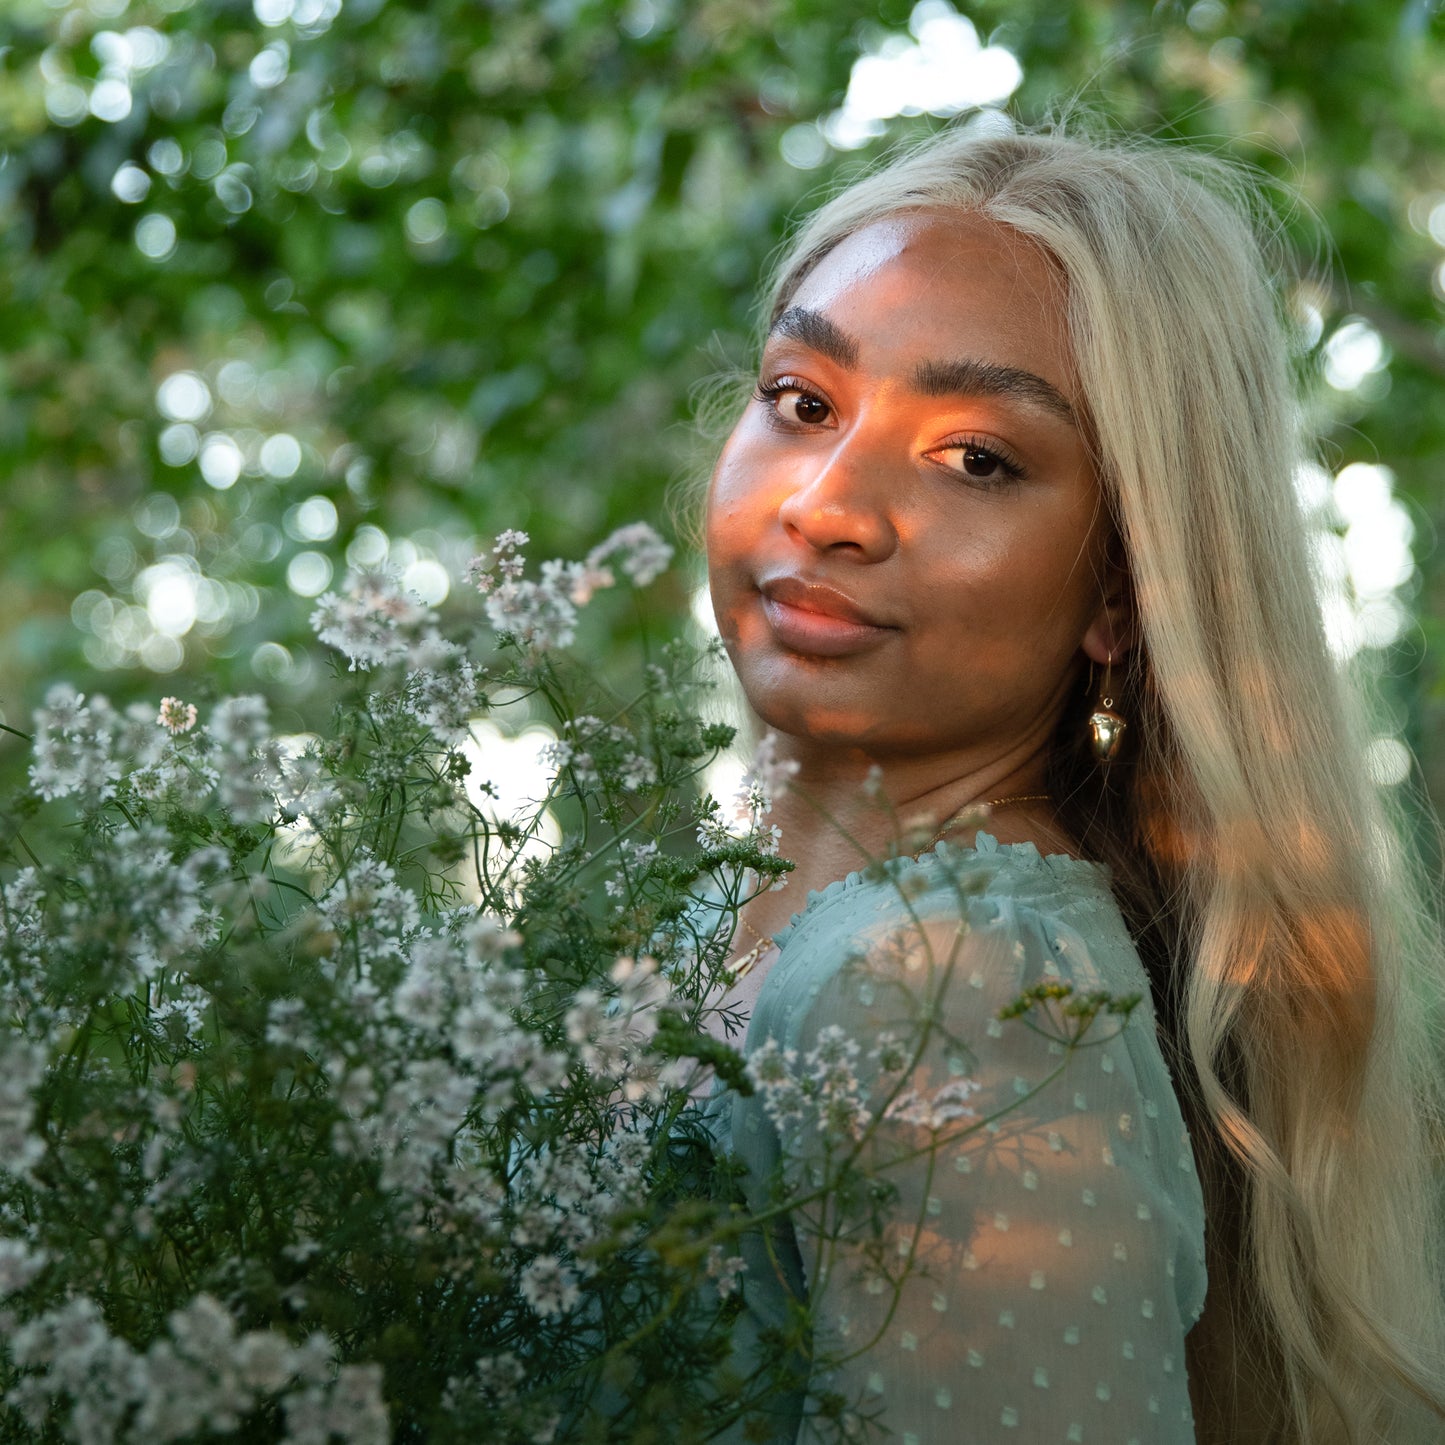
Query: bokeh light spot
(168,591)
(313,520)
(183,396)
(368,548)
(110,100)
(270,65)
(428,579)
(220,461)
(426,221)
(130,184)
(1352,353)
(178,444)
(308,574)
(943,70)
(281,455)
(155,236)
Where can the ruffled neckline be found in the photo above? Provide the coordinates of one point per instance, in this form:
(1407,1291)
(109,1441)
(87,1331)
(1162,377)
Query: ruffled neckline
(1023,856)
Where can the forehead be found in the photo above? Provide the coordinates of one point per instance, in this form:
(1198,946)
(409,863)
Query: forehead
(944,285)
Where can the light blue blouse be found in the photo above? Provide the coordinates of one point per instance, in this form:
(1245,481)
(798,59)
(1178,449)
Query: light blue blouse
(1058,1252)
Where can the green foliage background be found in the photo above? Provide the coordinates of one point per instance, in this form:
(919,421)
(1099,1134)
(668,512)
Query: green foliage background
(475,256)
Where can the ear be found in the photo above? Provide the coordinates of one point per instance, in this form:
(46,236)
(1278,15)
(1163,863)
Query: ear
(1113,630)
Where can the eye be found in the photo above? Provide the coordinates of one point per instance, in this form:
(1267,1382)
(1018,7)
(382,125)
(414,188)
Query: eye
(791,402)
(978,462)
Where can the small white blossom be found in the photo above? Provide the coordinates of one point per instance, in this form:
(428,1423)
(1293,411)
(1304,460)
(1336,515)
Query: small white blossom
(19,1264)
(241,724)
(539,614)
(176,716)
(23,939)
(645,556)
(768,776)
(549,1286)
(371,622)
(487,938)
(263,1361)
(725,1269)
(612,1032)
(444,698)
(889,1052)
(74,747)
(637,772)
(22,1067)
(936,1111)
(770,1070)
(370,913)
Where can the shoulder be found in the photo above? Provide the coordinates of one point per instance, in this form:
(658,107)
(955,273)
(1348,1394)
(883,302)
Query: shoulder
(946,947)
(1005,916)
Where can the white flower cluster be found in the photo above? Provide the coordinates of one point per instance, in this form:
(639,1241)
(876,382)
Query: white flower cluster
(369,915)
(498,1380)
(412,1125)
(248,760)
(543,614)
(204,1375)
(549,1286)
(612,1031)
(20,1263)
(372,622)
(768,776)
(84,748)
(934,1112)
(766,779)
(164,912)
(22,1066)
(824,1094)
(645,556)
(595,752)
(446,1053)
(725,1268)
(222,1024)
(22,937)
(161,911)
(74,749)
(443,689)
(561,1204)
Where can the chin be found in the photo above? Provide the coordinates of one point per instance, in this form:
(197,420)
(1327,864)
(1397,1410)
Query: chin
(818,719)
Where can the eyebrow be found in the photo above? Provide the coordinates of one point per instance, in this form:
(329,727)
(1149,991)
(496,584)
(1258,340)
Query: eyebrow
(931,378)
(814,329)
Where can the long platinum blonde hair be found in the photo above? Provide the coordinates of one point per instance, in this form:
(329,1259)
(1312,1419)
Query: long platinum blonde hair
(1286,936)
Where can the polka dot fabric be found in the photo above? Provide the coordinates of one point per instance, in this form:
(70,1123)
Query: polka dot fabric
(1050,1261)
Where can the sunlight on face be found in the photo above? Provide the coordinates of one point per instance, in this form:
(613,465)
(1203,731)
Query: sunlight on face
(906,541)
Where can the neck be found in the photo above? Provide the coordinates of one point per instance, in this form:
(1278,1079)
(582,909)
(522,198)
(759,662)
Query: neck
(846,806)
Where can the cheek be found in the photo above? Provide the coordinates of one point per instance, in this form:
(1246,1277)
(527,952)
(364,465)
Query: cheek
(1035,579)
(732,498)
(726,531)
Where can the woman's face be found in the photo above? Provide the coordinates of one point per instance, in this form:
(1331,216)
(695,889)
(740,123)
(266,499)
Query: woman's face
(906,541)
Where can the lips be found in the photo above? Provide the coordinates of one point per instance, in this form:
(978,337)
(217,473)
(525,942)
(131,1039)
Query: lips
(818,620)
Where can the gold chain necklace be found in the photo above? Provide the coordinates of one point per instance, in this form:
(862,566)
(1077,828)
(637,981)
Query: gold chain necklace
(745,964)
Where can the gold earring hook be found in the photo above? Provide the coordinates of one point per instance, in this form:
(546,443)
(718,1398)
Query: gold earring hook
(1106,727)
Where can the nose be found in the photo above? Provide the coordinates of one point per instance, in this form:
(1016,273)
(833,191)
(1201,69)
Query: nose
(840,501)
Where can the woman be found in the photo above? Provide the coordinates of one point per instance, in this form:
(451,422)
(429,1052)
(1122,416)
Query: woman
(1016,480)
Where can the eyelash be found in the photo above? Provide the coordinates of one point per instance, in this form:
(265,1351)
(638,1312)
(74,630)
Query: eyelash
(1010,469)
(768,393)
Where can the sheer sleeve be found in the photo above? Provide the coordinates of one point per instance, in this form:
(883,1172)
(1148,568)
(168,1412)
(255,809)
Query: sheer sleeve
(1034,1274)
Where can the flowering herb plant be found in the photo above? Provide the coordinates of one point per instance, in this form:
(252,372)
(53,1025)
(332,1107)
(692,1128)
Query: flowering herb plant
(338,1102)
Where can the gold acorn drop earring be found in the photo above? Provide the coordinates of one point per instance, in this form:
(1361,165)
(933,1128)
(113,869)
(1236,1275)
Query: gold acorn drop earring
(1106,726)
